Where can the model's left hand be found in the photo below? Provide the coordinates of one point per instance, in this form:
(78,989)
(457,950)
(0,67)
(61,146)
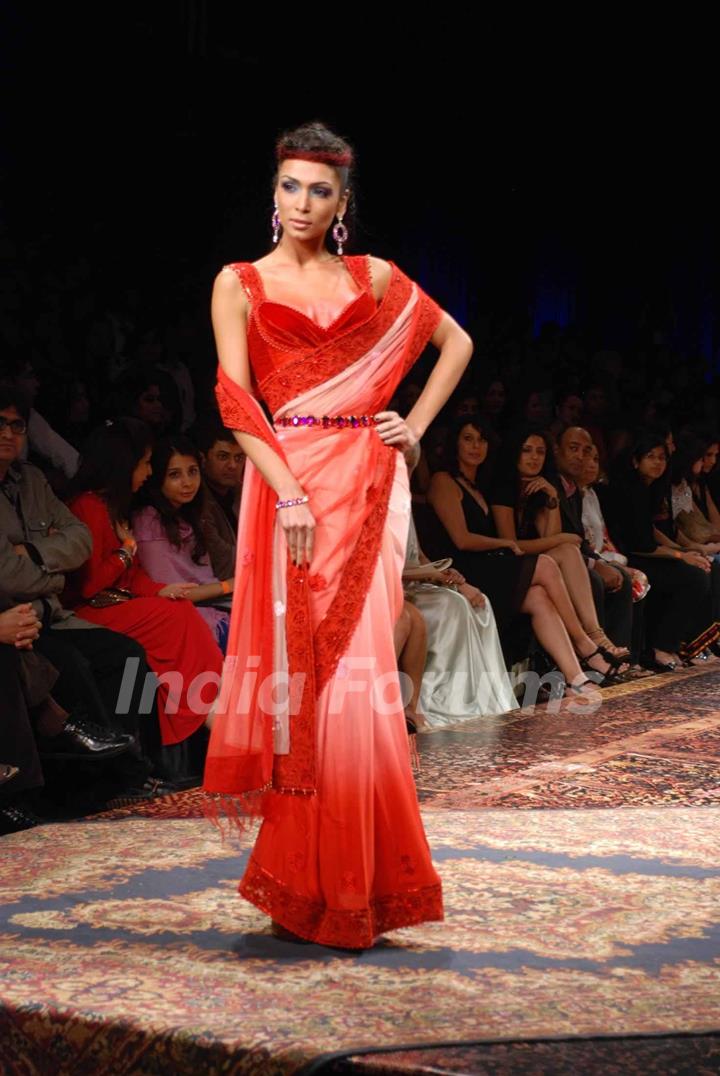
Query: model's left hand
(450,575)
(394,430)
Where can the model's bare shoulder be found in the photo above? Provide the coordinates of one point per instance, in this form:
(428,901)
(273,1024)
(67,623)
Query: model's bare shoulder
(381,271)
(228,287)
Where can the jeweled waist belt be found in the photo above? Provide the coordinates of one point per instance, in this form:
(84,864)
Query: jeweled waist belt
(327,422)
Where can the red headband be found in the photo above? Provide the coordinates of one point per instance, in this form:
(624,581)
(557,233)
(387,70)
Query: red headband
(337,160)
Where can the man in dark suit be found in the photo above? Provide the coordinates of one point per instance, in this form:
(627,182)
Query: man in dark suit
(611,586)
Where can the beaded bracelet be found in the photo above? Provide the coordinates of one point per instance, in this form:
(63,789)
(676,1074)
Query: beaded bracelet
(292,502)
(225,586)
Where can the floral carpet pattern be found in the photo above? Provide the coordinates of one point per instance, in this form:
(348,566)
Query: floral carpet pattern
(124,948)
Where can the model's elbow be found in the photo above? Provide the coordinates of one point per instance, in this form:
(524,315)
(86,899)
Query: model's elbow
(465,343)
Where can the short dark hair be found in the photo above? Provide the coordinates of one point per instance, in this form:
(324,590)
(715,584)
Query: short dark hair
(209,430)
(10,396)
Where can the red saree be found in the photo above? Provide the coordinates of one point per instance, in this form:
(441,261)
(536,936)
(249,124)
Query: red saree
(309,729)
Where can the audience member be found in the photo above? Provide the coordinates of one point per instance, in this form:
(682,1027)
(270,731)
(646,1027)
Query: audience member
(222,464)
(40,541)
(112,590)
(679,606)
(526,509)
(568,411)
(515,582)
(170,540)
(32,723)
(611,587)
(464,673)
(149,394)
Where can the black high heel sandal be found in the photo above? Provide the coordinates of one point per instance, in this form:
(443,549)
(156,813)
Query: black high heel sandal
(606,678)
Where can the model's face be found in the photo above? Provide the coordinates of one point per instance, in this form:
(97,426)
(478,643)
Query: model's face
(570,411)
(472,447)
(573,448)
(591,467)
(652,465)
(150,407)
(182,480)
(494,399)
(710,458)
(11,440)
(223,464)
(142,471)
(308,198)
(532,457)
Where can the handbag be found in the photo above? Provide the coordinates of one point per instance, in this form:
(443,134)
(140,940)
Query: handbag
(694,525)
(110,596)
(432,572)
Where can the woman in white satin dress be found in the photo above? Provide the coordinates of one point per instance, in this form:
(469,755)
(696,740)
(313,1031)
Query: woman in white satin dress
(465,674)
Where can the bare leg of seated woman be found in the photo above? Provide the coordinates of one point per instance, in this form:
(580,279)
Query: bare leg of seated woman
(410,636)
(552,635)
(547,575)
(574,571)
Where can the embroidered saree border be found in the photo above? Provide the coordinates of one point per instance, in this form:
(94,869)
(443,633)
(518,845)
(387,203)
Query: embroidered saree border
(350,929)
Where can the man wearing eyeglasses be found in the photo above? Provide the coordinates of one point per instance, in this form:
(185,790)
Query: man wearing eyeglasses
(40,541)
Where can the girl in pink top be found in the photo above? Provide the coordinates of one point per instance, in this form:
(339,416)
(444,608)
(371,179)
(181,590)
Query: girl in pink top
(167,530)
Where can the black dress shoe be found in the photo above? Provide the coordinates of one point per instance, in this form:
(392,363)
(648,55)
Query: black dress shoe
(15,819)
(80,739)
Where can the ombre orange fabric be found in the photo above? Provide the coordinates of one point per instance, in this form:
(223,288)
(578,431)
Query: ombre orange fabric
(341,855)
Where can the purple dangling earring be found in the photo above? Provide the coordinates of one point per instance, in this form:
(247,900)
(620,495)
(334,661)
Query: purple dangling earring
(340,235)
(276,225)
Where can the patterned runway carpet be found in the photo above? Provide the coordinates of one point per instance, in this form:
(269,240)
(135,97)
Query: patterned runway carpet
(579,857)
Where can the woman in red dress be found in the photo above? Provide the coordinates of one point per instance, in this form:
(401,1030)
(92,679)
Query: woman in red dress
(177,641)
(309,730)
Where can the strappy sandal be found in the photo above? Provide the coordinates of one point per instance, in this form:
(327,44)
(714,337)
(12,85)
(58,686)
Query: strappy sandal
(606,678)
(606,646)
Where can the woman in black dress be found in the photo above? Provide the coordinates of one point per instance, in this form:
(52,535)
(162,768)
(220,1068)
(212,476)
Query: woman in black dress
(525,507)
(515,582)
(679,615)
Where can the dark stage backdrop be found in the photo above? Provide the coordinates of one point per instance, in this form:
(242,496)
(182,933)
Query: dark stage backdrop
(514,186)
